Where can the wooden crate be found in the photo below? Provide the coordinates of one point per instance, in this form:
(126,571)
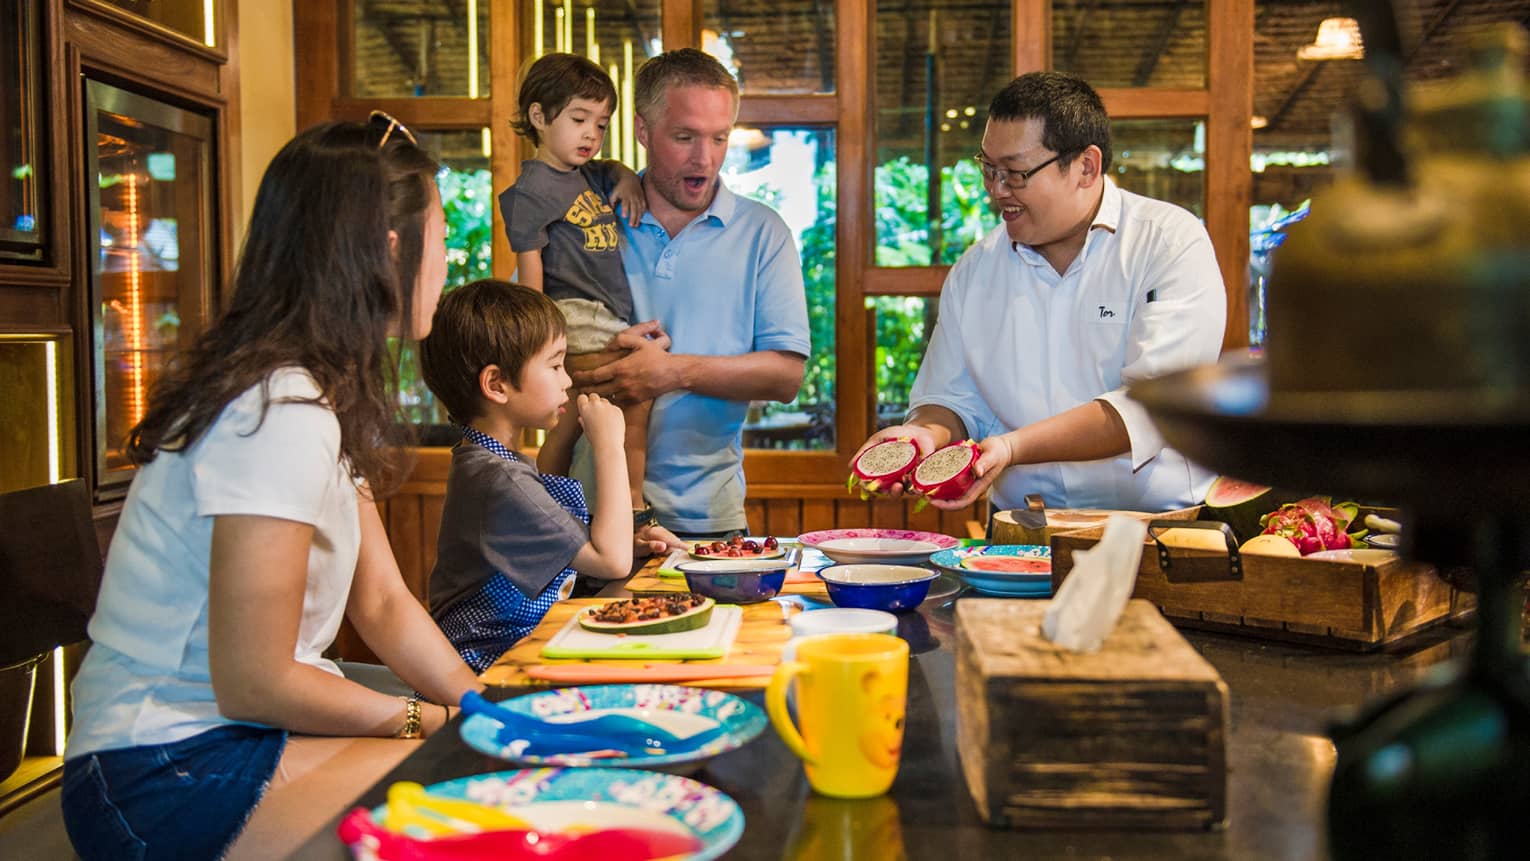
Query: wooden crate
(1131,736)
(1339,604)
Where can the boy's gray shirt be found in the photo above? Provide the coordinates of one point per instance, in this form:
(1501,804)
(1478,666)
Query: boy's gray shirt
(498,518)
(568,215)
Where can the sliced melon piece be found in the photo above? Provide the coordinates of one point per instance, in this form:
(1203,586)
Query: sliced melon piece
(1008,564)
(1270,545)
(1185,538)
(661,614)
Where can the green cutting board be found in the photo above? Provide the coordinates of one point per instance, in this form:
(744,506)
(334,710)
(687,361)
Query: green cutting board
(711,641)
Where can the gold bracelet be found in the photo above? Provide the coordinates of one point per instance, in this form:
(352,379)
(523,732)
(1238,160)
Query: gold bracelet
(411,727)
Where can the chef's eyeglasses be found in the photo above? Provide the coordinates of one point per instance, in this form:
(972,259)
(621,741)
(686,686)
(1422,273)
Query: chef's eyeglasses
(1015,179)
(388,125)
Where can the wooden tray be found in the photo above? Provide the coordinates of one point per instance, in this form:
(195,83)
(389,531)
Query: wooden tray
(1340,604)
(761,636)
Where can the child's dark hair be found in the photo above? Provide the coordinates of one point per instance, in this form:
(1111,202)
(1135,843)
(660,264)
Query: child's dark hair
(484,323)
(555,80)
(316,287)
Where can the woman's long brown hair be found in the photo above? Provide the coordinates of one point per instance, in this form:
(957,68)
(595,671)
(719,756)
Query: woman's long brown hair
(318,287)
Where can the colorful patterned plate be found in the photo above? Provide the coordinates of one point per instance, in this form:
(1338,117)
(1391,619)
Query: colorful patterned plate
(561,798)
(892,546)
(681,710)
(1006,584)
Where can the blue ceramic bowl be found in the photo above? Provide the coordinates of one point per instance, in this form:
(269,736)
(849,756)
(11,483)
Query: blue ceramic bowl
(895,588)
(742,581)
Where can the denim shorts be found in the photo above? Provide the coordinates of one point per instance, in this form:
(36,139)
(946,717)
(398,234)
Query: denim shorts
(188,799)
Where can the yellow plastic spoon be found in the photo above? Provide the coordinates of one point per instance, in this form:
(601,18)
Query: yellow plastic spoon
(409,804)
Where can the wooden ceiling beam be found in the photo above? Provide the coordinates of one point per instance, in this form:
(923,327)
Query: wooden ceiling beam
(1296,93)
(1430,31)
(1158,44)
(1076,38)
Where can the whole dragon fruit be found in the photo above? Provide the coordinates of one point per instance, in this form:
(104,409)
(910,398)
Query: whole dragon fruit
(1312,524)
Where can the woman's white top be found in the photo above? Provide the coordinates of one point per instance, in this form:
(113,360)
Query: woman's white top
(145,679)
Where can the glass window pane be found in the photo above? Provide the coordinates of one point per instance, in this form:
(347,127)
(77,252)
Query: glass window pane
(773,47)
(20,226)
(1131,43)
(932,101)
(467,196)
(617,34)
(414,49)
(1162,159)
(152,198)
(903,331)
(192,18)
(769,165)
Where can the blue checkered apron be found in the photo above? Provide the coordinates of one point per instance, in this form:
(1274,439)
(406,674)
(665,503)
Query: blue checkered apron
(486,624)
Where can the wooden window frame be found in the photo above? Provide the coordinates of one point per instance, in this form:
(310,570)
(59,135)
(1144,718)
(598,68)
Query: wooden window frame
(1225,103)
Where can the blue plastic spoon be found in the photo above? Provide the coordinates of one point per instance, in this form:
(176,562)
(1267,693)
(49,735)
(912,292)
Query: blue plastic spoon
(624,733)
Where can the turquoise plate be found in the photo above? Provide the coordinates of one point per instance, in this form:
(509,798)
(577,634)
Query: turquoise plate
(553,799)
(998,582)
(681,710)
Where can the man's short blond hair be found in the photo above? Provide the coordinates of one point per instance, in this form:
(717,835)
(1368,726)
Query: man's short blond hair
(678,68)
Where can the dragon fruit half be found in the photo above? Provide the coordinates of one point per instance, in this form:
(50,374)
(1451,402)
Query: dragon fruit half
(881,466)
(1312,524)
(947,472)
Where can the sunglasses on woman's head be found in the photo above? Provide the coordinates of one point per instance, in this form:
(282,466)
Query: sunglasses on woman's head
(384,121)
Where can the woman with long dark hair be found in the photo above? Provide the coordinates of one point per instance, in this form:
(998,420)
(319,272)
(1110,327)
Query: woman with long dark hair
(251,529)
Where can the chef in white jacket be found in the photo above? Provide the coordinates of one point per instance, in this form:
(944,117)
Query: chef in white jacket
(1082,290)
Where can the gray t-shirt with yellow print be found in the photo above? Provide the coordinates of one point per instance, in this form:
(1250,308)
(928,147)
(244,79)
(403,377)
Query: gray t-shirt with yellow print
(568,215)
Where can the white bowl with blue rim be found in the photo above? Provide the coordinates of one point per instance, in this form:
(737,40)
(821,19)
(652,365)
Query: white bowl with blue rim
(1005,584)
(683,711)
(558,799)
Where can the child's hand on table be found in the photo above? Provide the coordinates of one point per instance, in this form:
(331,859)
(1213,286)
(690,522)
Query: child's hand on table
(654,539)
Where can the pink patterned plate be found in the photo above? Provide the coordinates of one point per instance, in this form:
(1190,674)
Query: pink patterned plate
(897,546)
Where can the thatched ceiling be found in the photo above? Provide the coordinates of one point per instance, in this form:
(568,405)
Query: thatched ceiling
(787,46)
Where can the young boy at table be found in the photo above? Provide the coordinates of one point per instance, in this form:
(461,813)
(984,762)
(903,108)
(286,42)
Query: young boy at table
(512,538)
(561,224)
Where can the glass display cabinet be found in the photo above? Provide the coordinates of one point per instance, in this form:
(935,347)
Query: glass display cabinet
(21,222)
(150,178)
(194,19)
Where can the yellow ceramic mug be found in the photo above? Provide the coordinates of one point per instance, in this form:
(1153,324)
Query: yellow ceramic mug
(851,692)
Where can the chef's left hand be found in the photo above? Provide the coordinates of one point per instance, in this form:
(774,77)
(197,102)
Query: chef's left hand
(994,455)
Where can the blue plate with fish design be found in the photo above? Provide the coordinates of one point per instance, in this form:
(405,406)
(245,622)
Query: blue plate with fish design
(684,711)
(557,799)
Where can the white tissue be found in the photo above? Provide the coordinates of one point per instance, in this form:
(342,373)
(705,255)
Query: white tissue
(1088,604)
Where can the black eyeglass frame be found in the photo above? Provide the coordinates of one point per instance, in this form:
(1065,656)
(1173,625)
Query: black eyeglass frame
(393,124)
(992,173)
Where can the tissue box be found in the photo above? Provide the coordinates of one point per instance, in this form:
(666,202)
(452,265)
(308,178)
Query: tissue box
(1132,736)
(1348,605)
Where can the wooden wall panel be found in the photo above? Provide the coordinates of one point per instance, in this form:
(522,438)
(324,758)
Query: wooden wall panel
(817,514)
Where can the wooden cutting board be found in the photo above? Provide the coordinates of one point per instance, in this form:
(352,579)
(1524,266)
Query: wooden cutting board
(762,634)
(711,640)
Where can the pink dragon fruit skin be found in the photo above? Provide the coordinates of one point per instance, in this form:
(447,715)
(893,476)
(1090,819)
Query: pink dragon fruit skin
(955,482)
(1311,524)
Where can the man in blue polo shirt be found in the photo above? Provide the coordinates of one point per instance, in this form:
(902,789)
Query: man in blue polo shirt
(719,281)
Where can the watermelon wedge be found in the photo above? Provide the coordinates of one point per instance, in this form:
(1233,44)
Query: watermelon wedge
(1007,564)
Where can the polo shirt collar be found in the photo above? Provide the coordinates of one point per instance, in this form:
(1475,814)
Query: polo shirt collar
(724,204)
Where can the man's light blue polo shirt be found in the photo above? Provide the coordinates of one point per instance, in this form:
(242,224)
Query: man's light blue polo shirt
(729,283)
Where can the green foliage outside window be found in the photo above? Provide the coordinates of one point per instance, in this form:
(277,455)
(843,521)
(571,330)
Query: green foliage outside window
(467,198)
(903,239)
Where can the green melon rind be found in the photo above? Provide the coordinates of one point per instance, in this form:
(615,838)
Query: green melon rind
(1242,511)
(688,621)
